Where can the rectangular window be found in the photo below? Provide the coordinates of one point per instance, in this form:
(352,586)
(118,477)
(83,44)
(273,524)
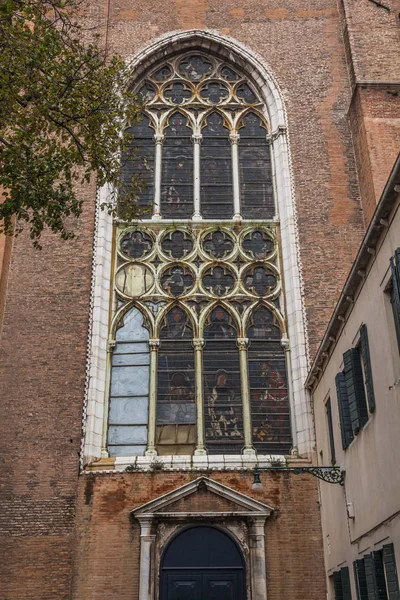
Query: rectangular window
(328,409)
(376,575)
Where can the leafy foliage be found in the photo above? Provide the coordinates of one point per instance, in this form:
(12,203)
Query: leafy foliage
(63,105)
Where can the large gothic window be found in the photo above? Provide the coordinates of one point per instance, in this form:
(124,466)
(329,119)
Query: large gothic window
(197,364)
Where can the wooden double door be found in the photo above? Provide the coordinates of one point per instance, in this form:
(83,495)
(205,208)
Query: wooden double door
(202,563)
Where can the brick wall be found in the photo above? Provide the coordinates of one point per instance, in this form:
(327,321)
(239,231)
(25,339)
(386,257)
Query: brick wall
(107,562)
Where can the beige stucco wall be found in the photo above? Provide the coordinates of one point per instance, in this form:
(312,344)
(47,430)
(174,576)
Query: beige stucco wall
(371,462)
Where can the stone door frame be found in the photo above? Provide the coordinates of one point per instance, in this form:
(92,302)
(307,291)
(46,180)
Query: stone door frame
(245,523)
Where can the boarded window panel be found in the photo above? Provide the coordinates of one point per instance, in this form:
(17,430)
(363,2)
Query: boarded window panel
(380,581)
(129,389)
(360,579)
(177,170)
(138,161)
(330,431)
(337,582)
(269,398)
(223,414)
(344,410)
(355,389)
(256,183)
(370,577)
(395,295)
(392,580)
(365,354)
(216,170)
(346,588)
(176,407)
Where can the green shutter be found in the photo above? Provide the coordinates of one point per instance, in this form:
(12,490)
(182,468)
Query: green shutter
(330,431)
(380,581)
(395,268)
(346,587)
(355,389)
(361,582)
(344,411)
(369,384)
(391,572)
(337,581)
(370,577)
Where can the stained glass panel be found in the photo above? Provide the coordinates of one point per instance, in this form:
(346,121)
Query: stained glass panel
(177,170)
(216,170)
(129,390)
(176,407)
(222,392)
(218,280)
(259,280)
(136,244)
(218,244)
(138,161)
(177,280)
(214,92)
(258,244)
(177,244)
(268,386)
(256,187)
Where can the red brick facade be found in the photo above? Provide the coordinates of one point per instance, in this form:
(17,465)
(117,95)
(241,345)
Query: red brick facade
(66,536)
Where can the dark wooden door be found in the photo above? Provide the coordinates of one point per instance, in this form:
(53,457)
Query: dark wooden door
(202,563)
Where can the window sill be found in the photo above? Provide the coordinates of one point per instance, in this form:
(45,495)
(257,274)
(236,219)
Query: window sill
(191,463)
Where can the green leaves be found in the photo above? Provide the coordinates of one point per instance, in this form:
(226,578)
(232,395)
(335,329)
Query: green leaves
(62,109)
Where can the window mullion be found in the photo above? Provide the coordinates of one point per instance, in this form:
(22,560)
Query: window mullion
(151,432)
(159,139)
(197,139)
(244,379)
(198,345)
(234,139)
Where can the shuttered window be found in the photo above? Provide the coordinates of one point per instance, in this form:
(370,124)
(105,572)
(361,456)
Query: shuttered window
(392,580)
(366,361)
(376,575)
(395,294)
(355,389)
(360,579)
(344,410)
(341,582)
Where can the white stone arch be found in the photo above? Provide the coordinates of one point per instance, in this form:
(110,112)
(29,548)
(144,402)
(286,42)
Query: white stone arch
(258,71)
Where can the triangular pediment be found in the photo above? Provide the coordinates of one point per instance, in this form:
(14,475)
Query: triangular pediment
(203,496)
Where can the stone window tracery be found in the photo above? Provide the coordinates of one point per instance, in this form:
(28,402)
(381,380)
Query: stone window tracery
(201,273)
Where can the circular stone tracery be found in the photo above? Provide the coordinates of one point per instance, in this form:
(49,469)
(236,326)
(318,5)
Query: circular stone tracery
(219,280)
(134,280)
(259,280)
(177,280)
(217,244)
(136,244)
(258,244)
(177,244)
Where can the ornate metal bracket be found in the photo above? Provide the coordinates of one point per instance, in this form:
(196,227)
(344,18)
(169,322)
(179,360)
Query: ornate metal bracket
(328,474)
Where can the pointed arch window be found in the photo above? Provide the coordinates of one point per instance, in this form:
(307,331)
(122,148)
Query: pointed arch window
(204,269)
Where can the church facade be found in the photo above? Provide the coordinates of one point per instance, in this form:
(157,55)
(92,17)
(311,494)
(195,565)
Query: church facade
(158,435)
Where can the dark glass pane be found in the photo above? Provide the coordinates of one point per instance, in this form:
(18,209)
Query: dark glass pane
(147,92)
(245,93)
(258,244)
(138,161)
(177,244)
(162,74)
(176,407)
(229,74)
(218,280)
(259,280)
(177,170)
(177,280)
(214,91)
(256,187)
(222,393)
(269,399)
(218,244)
(177,92)
(216,170)
(195,67)
(136,244)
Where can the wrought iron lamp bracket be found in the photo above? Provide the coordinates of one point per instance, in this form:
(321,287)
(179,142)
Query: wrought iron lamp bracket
(327,474)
